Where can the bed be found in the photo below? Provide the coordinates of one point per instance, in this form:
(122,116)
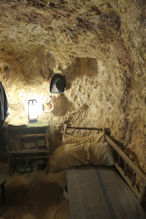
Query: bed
(98,192)
(100,184)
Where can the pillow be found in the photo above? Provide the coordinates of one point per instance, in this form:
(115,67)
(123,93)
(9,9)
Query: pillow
(79,154)
(98,152)
(69,155)
(101,154)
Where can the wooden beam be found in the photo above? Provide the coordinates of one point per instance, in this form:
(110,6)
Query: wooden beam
(87,128)
(28,152)
(32,135)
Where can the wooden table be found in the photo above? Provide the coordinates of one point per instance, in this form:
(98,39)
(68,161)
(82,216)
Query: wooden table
(18,137)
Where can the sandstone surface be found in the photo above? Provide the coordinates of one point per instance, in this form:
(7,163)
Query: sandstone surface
(97,45)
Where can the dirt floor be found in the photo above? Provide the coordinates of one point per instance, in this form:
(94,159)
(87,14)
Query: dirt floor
(35,196)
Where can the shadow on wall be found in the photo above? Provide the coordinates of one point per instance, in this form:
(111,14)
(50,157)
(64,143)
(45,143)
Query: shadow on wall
(62,105)
(80,67)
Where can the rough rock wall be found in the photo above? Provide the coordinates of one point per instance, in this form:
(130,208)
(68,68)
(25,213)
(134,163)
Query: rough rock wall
(97,45)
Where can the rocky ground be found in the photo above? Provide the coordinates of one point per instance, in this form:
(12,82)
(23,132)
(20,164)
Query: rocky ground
(34,196)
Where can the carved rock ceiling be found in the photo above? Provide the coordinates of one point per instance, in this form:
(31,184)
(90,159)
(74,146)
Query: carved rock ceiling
(97,45)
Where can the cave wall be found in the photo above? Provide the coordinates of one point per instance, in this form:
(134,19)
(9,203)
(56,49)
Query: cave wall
(97,45)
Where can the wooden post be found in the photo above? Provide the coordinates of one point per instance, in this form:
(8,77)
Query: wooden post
(64,128)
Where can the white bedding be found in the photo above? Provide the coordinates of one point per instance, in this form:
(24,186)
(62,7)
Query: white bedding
(81,150)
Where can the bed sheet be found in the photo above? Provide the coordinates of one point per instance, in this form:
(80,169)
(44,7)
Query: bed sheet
(97,192)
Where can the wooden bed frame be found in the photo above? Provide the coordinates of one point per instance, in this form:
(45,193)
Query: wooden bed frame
(126,168)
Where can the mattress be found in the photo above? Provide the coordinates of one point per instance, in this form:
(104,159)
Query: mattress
(100,193)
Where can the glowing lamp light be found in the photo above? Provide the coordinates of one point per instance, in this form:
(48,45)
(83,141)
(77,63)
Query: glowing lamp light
(32,111)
